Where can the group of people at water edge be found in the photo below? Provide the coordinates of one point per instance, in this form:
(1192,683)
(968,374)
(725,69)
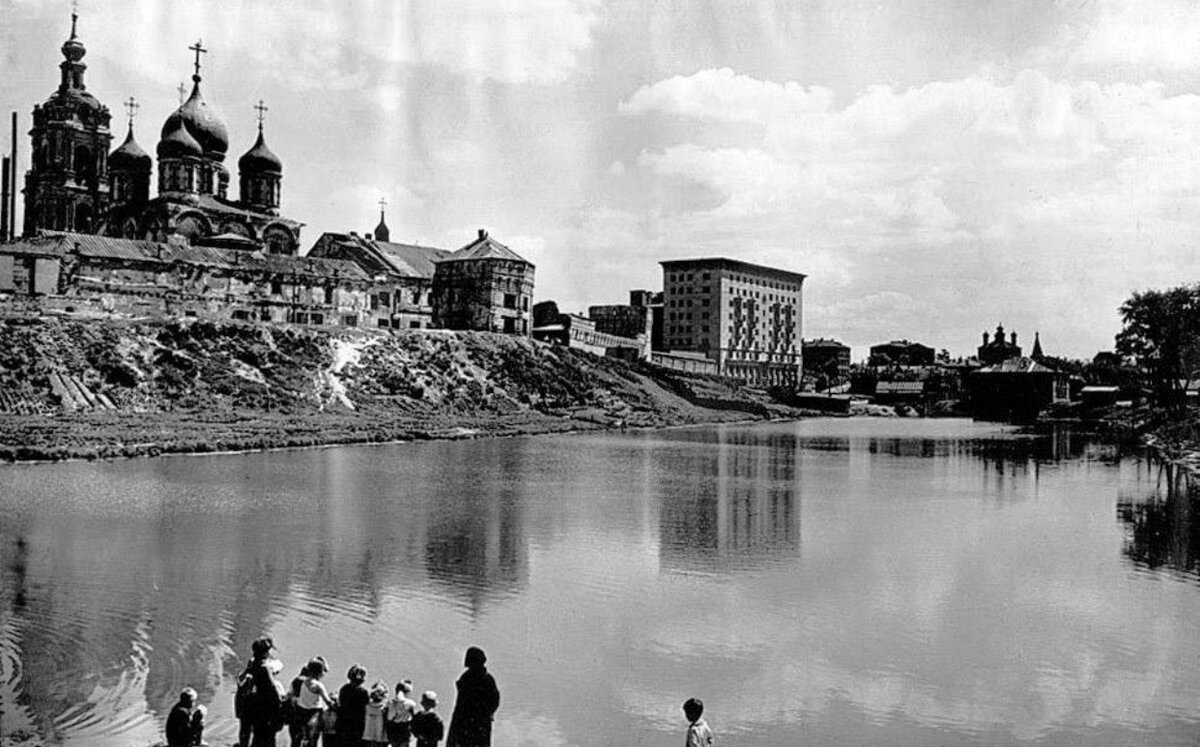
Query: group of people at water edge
(355,716)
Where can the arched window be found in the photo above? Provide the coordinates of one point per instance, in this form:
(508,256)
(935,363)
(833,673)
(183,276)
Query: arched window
(83,218)
(85,164)
(191,227)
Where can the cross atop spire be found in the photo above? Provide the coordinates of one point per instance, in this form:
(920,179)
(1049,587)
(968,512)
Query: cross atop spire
(382,205)
(131,107)
(262,110)
(74,16)
(199,49)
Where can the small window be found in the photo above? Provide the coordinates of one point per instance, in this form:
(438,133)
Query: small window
(241,315)
(414,325)
(276,288)
(384,323)
(350,320)
(318,318)
(328,296)
(510,324)
(510,301)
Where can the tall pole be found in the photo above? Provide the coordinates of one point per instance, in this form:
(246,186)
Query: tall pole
(12,182)
(4,200)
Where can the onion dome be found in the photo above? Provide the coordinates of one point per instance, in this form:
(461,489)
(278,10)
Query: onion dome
(72,48)
(260,159)
(201,122)
(129,156)
(178,143)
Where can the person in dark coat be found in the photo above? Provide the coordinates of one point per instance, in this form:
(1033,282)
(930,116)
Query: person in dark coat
(352,708)
(179,721)
(258,710)
(476,704)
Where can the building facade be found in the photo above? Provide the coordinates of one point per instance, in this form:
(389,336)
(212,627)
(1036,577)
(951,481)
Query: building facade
(745,317)
(402,296)
(75,184)
(901,353)
(484,286)
(827,359)
(998,349)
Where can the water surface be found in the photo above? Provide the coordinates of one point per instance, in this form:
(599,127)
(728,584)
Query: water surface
(875,582)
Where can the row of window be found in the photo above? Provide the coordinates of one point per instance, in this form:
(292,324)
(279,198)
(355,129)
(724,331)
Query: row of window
(688,277)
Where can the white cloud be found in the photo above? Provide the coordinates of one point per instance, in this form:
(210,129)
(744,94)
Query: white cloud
(1153,34)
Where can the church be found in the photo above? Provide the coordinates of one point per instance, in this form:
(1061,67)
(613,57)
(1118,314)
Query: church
(74,184)
(96,241)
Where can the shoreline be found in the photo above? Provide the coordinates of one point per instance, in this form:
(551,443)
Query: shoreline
(189,442)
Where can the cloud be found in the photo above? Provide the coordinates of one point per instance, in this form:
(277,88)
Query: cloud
(1148,34)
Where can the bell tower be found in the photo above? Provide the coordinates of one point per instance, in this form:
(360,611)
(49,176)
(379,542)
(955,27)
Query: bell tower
(66,187)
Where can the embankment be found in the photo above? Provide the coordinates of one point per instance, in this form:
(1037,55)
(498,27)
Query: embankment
(105,388)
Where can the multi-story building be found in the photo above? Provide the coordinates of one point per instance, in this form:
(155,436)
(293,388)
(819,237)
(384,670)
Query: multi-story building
(901,353)
(402,296)
(745,317)
(827,358)
(484,286)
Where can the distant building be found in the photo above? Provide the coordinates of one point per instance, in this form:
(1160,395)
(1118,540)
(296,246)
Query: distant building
(402,296)
(901,353)
(746,318)
(1016,390)
(998,349)
(828,358)
(582,333)
(484,286)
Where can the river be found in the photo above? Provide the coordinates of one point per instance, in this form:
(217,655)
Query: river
(883,582)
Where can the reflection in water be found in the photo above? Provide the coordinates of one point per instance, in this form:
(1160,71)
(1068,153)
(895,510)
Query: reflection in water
(732,506)
(821,582)
(1161,526)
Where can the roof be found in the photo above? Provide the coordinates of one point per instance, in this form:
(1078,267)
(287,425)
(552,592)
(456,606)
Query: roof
(134,250)
(900,387)
(736,265)
(406,260)
(822,342)
(1022,365)
(484,247)
(900,343)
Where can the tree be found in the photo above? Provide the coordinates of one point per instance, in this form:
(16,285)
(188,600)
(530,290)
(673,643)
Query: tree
(1162,329)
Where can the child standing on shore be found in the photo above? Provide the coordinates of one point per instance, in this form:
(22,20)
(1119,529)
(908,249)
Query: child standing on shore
(399,714)
(698,733)
(373,734)
(427,726)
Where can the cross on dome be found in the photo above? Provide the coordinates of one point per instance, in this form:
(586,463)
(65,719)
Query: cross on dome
(74,16)
(199,49)
(131,107)
(182,89)
(262,110)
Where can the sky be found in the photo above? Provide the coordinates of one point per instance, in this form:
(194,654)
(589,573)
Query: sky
(935,167)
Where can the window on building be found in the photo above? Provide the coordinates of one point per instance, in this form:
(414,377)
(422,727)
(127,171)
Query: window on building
(241,314)
(414,325)
(510,325)
(276,288)
(328,294)
(350,320)
(317,319)
(384,323)
(510,301)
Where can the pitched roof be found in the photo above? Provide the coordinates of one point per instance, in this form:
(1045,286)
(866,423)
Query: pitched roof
(1017,365)
(413,260)
(485,247)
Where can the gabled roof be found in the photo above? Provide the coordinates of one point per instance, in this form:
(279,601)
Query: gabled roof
(412,260)
(485,247)
(405,260)
(1017,365)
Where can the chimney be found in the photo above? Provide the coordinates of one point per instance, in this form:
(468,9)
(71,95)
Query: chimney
(354,234)
(1014,338)
(482,234)
(4,200)
(985,340)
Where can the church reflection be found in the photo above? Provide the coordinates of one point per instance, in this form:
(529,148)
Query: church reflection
(1162,525)
(732,507)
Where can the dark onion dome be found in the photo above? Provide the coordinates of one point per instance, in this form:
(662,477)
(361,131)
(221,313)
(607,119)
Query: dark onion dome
(202,123)
(178,143)
(129,156)
(260,159)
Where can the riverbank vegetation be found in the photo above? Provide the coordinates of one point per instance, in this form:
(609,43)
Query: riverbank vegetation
(103,388)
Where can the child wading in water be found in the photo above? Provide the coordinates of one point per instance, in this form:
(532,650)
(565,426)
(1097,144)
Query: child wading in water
(698,733)
(397,717)
(427,726)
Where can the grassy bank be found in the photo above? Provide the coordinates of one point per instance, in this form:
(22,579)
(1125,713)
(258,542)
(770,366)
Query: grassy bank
(108,389)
